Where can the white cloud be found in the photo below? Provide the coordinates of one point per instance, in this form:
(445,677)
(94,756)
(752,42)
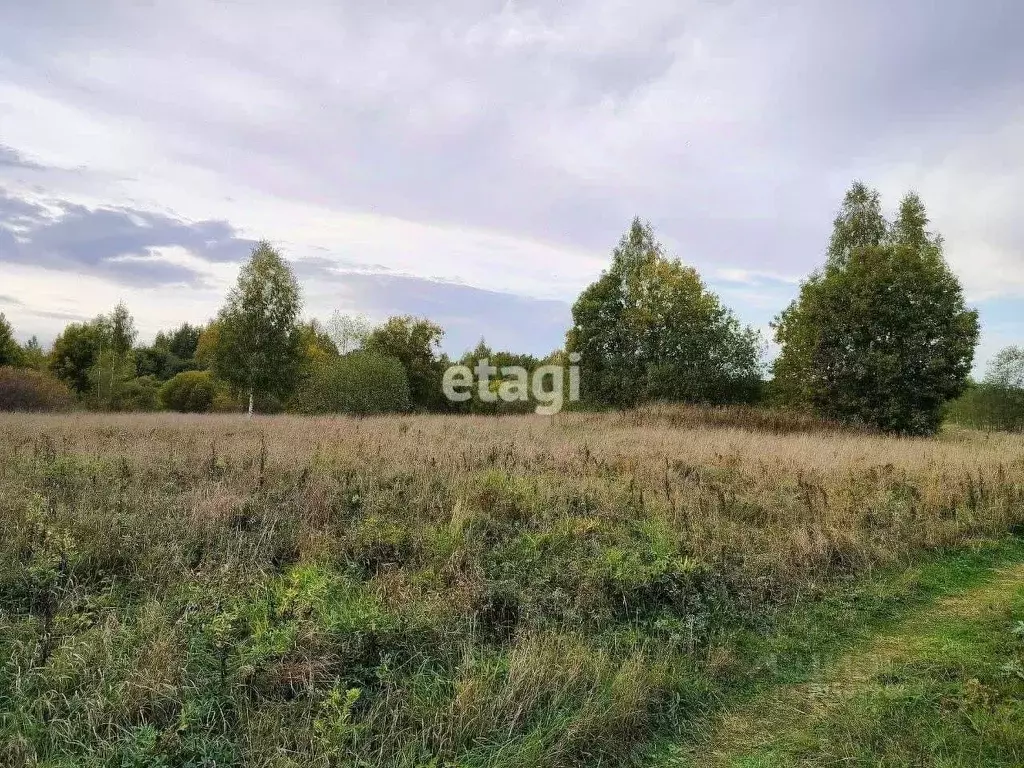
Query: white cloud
(506,145)
(972,190)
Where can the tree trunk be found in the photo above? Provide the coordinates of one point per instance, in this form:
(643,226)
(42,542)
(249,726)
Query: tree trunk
(250,403)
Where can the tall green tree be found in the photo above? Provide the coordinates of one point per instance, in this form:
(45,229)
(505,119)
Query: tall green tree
(109,379)
(10,350)
(183,341)
(114,364)
(258,341)
(911,227)
(881,335)
(649,329)
(415,344)
(74,353)
(33,356)
(121,333)
(860,223)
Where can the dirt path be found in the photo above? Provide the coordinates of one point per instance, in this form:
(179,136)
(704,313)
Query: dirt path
(751,728)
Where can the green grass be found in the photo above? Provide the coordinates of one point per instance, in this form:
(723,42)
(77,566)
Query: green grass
(958,702)
(945,689)
(806,638)
(453,593)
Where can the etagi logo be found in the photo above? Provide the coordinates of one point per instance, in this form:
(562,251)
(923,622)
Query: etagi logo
(546,385)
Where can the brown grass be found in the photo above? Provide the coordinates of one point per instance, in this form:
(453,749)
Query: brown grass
(488,590)
(785,500)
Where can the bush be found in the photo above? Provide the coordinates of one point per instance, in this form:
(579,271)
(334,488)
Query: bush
(190,392)
(360,383)
(989,406)
(22,389)
(141,394)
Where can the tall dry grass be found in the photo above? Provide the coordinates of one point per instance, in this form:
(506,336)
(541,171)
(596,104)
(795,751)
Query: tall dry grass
(395,590)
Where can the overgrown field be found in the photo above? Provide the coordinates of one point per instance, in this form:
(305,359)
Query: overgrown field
(433,591)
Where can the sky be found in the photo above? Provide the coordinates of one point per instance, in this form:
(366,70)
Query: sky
(475,162)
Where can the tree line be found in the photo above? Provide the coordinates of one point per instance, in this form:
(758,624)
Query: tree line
(879,335)
(257,354)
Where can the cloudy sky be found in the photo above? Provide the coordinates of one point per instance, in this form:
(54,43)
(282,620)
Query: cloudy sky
(476,161)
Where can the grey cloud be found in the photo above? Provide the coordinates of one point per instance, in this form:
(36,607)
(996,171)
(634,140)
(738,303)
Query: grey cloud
(15,211)
(734,127)
(507,321)
(719,123)
(55,315)
(10,158)
(116,243)
(315,267)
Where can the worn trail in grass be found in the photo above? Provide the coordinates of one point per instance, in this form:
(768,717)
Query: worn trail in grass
(907,677)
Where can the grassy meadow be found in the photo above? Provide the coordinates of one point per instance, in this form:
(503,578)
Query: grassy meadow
(453,592)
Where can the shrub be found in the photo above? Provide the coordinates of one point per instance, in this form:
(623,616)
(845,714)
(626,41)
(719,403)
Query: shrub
(359,383)
(140,394)
(190,392)
(989,406)
(22,389)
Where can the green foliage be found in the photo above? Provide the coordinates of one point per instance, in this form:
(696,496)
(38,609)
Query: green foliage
(859,224)
(170,353)
(316,347)
(74,353)
(1007,369)
(189,392)
(140,394)
(997,402)
(419,591)
(258,341)
(109,379)
(894,343)
(114,364)
(23,389)
(10,350)
(120,330)
(206,348)
(184,340)
(360,383)
(414,343)
(648,329)
(348,332)
(33,356)
(882,335)
(498,359)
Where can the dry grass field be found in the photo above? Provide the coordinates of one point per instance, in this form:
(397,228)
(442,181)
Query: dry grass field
(430,590)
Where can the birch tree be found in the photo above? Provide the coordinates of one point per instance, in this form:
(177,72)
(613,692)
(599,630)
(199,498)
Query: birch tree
(258,341)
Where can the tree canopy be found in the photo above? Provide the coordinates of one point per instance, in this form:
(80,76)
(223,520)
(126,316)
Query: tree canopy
(414,343)
(10,350)
(1007,369)
(74,353)
(881,335)
(258,340)
(649,329)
